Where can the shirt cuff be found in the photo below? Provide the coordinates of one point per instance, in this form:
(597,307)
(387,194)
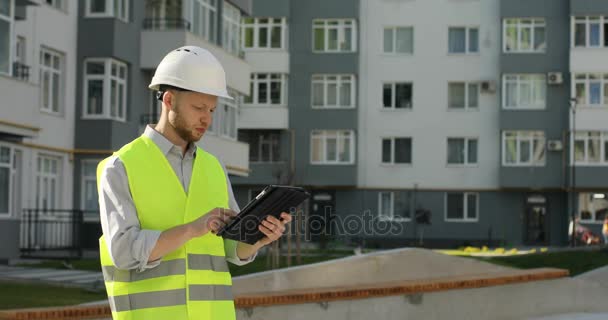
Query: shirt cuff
(232,256)
(148,239)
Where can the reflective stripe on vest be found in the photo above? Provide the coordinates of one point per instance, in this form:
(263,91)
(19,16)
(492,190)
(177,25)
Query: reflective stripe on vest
(197,272)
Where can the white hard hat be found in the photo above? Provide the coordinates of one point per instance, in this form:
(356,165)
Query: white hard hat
(191,68)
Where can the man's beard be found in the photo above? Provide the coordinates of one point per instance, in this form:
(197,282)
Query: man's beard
(179,124)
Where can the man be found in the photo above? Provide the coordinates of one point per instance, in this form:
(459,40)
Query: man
(162,200)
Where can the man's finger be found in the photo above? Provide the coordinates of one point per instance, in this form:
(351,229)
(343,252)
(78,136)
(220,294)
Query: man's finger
(268,225)
(286,217)
(273,220)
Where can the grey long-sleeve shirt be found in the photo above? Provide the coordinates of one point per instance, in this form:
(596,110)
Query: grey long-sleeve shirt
(128,244)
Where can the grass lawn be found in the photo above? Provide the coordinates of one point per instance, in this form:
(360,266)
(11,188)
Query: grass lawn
(576,261)
(15,295)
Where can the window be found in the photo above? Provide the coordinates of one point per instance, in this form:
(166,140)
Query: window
(397,95)
(591,90)
(268,89)
(105,88)
(6,26)
(399,40)
(88,186)
(524,35)
(463,40)
(591,148)
(461,207)
(333,91)
(6,179)
(224,116)
(264,33)
(108,8)
(463,95)
(203,15)
(332,147)
(524,91)
(394,206)
(397,150)
(592,207)
(51,80)
(47,182)
(462,151)
(334,35)
(523,148)
(58,4)
(264,146)
(590,32)
(231,28)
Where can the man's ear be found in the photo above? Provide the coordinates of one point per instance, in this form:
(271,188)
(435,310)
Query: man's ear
(168,99)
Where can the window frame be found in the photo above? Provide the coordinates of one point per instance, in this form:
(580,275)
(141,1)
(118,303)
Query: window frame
(467,40)
(534,134)
(107,79)
(11,176)
(323,135)
(585,136)
(234,106)
(586,82)
(269,138)
(542,79)
(256,26)
(231,21)
(393,106)
(391,217)
(535,22)
(394,40)
(467,162)
(61,78)
(587,21)
(87,178)
(394,152)
(10,52)
(465,218)
(255,81)
(207,9)
(467,97)
(323,79)
(56,176)
(110,11)
(341,27)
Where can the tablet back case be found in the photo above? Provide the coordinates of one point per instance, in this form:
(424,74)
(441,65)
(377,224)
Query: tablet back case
(272,201)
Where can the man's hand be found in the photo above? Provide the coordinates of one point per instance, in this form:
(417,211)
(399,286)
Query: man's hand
(212,221)
(273,228)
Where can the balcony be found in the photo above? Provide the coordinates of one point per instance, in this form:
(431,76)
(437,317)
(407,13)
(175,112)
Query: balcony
(163,35)
(588,60)
(233,154)
(263,117)
(21,116)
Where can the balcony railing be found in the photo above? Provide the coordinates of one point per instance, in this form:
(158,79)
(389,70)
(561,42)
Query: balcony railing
(163,24)
(21,71)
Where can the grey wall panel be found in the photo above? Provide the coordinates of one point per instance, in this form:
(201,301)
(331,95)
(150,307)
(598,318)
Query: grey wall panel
(588,7)
(271,8)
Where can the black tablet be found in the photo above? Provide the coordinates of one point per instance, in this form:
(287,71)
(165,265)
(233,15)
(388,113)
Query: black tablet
(272,201)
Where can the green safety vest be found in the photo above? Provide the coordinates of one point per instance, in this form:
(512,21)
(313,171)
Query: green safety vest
(193,282)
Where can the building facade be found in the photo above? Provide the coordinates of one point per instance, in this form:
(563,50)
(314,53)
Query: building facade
(387,110)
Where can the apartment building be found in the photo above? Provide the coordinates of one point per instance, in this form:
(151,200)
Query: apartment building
(37,82)
(390,109)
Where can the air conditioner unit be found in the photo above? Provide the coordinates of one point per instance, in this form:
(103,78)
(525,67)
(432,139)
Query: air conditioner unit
(488,86)
(555,145)
(555,78)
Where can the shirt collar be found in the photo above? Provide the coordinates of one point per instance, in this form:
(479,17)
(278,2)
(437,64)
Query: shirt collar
(164,144)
